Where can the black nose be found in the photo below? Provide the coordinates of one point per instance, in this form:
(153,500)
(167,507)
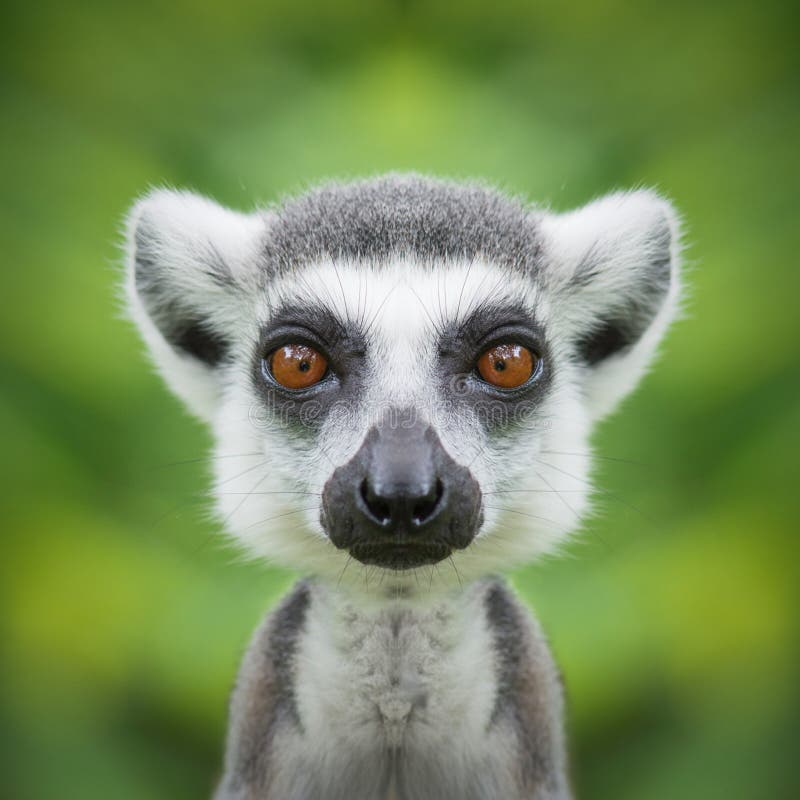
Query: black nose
(402,507)
(401,501)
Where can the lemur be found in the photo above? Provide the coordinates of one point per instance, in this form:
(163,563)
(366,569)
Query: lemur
(401,374)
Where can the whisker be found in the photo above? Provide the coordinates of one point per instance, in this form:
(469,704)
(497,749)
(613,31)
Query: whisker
(596,456)
(534,491)
(524,514)
(229,516)
(430,580)
(439,297)
(605,492)
(278,516)
(257,494)
(463,287)
(244,472)
(477,456)
(172,511)
(325,453)
(198,498)
(206,458)
(344,296)
(436,328)
(559,495)
(376,313)
(478,293)
(344,568)
(358,301)
(458,575)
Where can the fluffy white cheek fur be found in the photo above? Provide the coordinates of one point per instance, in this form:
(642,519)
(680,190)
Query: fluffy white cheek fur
(262,493)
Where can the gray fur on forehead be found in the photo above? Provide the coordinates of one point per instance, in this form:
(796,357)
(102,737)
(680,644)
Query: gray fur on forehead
(377,218)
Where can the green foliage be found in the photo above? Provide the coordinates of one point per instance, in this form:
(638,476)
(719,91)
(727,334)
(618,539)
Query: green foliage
(123,615)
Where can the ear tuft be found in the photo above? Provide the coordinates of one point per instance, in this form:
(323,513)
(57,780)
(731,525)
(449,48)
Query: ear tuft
(190,263)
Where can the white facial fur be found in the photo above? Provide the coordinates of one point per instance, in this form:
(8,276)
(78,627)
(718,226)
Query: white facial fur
(533,471)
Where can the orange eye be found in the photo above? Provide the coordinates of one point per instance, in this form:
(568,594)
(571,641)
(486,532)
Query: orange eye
(507,365)
(297,366)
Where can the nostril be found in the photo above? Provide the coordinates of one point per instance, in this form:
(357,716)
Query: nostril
(378,507)
(423,509)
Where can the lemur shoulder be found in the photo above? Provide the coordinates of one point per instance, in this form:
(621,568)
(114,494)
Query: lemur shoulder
(401,375)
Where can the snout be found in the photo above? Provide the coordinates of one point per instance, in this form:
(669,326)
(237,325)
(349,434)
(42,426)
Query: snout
(402,501)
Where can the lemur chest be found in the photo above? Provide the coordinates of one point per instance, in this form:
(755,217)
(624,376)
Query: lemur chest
(396,680)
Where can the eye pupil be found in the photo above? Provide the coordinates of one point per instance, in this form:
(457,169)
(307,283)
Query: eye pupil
(499,365)
(304,366)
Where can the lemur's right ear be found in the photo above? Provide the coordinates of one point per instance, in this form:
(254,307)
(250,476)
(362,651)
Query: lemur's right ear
(190,264)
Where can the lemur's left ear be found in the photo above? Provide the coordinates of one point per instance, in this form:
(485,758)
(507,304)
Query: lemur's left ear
(190,263)
(613,270)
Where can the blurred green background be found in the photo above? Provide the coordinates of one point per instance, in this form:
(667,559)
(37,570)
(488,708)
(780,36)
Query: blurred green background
(123,616)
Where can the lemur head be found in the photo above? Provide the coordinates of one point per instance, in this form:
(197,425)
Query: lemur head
(402,370)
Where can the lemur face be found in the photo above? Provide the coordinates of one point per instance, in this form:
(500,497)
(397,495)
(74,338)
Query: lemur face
(402,371)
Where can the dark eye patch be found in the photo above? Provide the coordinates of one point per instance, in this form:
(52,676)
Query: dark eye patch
(460,348)
(343,346)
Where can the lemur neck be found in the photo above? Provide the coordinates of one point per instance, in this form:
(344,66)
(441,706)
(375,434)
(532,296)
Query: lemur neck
(385,596)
